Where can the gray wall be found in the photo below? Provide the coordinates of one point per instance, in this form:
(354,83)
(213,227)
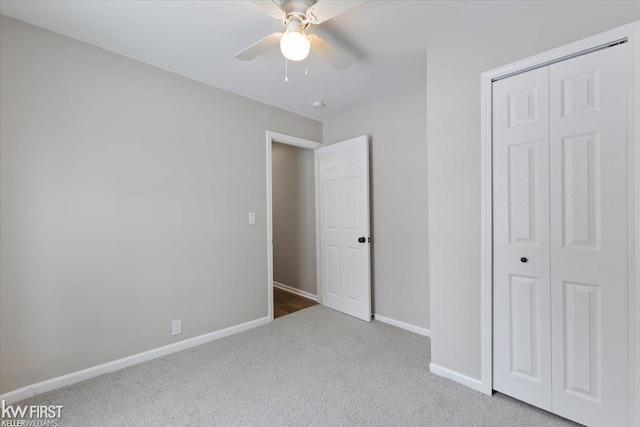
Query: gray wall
(400,249)
(453,77)
(125,191)
(294,217)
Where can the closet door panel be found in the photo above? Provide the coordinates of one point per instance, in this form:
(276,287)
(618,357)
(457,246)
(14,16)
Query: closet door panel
(589,236)
(521,331)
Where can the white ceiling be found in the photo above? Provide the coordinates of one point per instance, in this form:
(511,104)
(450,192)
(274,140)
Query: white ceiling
(198,39)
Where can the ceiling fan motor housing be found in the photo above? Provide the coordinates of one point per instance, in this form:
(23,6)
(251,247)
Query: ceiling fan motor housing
(295,21)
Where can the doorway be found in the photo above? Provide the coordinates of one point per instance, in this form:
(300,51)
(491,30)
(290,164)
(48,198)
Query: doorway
(294,239)
(293,278)
(342,233)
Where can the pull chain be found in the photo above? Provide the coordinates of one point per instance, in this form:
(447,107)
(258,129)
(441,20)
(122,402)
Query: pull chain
(286,70)
(306,66)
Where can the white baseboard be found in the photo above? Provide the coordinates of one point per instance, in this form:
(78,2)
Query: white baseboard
(116,365)
(409,327)
(296,291)
(456,376)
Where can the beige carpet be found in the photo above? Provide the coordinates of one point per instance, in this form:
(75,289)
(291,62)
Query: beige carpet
(315,367)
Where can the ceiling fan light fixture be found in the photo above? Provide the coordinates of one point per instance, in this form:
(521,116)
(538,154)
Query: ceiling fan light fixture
(295,46)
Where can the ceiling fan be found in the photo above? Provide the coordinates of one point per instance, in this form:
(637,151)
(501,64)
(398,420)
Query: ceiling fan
(296,16)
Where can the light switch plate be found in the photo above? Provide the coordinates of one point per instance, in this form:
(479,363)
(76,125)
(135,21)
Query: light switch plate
(252,218)
(176,327)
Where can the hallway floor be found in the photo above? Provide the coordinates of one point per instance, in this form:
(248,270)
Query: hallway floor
(286,303)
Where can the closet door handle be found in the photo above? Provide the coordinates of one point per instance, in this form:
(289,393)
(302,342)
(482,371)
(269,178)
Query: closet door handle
(523,259)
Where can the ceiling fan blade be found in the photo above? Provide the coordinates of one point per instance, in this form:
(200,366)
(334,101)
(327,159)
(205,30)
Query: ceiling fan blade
(271,7)
(324,10)
(260,47)
(333,56)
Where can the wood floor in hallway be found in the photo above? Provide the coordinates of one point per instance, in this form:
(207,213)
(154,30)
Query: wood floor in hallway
(286,303)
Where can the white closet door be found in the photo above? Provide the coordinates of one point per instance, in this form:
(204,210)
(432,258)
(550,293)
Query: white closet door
(521,318)
(589,236)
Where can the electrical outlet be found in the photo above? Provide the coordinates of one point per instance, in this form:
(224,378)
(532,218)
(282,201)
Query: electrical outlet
(176,327)
(252,218)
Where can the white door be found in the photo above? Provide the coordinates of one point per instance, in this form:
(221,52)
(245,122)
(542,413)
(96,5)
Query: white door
(521,327)
(343,171)
(589,237)
(561,319)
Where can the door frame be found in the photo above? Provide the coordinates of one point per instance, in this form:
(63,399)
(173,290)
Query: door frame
(629,33)
(281,138)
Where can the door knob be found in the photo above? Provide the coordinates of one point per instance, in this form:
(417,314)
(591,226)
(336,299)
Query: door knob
(362,239)
(523,259)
